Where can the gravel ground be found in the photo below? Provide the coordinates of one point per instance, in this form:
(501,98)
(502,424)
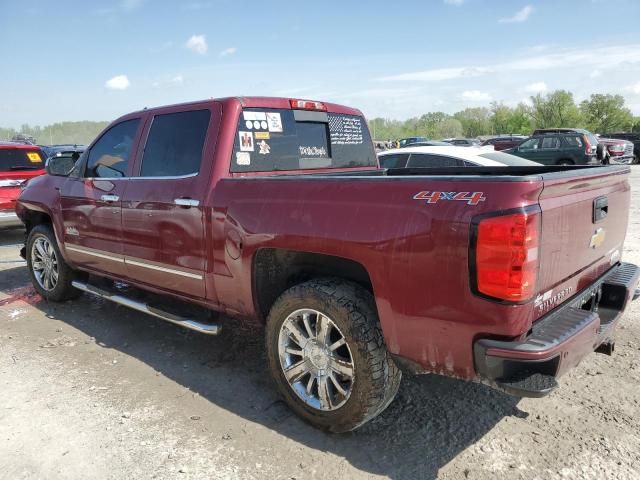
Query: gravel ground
(92,390)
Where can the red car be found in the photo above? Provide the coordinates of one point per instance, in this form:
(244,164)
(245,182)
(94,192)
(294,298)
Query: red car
(18,163)
(505,142)
(618,151)
(274,210)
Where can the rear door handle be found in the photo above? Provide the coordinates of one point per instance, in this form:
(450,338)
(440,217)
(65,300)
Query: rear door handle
(109,198)
(186,202)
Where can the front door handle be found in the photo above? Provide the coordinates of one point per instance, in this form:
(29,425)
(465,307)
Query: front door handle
(186,202)
(109,198)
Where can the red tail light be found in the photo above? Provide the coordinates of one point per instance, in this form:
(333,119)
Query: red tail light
(505,256)
(307,105)
(587,145)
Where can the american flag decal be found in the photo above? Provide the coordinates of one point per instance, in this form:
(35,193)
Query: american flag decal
(345,130)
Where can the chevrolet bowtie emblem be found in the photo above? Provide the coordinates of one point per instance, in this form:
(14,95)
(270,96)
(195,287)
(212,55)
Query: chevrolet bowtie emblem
(597,238)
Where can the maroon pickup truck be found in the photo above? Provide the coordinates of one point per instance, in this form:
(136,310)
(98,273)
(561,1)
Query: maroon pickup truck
(275,210)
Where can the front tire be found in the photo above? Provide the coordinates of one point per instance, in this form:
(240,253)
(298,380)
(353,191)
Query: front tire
(327,354)
(50,274)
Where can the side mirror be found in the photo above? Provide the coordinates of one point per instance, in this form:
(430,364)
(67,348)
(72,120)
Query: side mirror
(61,166)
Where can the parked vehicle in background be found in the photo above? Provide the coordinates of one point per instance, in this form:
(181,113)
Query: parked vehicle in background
(463,142)
(587,137)
(448,156)
(618,151)
(553,148)
(275,210)
(428,143)
(403,142)
(23,138)
(504,142)
(19,162)
(51,150)
(631,137)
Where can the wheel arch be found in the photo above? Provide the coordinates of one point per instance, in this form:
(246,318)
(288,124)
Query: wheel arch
(275,270)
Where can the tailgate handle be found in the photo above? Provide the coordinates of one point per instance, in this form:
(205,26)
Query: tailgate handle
(600,209)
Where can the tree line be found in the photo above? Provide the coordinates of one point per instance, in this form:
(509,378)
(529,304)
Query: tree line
(601,113)
(81,133)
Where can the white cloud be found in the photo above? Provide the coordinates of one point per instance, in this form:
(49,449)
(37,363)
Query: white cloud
(457,3)
(119,82)
(596,57)
(198,44)
(228,51)
(595,73)
(521,15)
(635,88)
(476,96)
(131,4)
(537,87)
(177,80)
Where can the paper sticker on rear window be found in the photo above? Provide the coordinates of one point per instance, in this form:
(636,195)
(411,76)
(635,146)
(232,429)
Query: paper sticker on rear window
(243,158)
(274,122)
(34,157)
(246,141)
(254,116)
(345,130)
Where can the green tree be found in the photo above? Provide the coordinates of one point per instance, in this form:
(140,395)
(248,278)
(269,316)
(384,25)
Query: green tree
(449,128)
(606,113)
(475,121)
(555,109)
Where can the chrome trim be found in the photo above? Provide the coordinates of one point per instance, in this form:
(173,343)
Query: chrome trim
(176,177)
(137,263)
(186,202)
(109,198)
(14,182)
(93,253)
(209,329)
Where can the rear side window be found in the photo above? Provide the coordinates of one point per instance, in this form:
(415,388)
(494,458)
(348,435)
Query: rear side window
(573,141)
(425,160)
(20,159)
(280,139)
(109,156)
(175,143)
(393,160)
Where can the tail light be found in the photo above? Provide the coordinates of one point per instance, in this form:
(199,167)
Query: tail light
(587,145)
(307,105)
(504,255)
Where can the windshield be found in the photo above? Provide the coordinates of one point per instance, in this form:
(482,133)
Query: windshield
(280,139)
(20,159)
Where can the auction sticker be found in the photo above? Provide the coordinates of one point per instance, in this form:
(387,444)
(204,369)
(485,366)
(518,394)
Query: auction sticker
(262,135)
(254,116)
(243,158)
(246,141)
(274,122)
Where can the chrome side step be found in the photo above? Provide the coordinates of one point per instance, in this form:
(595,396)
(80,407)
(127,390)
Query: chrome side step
(208,329)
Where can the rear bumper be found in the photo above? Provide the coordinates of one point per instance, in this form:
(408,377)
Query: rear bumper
(9,218)
(621,159)
(561,339)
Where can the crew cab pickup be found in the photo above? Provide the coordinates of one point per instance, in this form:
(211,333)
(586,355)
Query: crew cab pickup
(275,210)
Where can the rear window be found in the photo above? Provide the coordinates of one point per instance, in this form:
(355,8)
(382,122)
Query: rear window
(278,139)
(20,159)
(508,159)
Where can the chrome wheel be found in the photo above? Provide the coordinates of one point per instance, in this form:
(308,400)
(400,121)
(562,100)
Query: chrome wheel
(315,359)
(44,263)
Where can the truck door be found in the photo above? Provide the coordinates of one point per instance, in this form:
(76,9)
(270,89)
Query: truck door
(91,200)
(163,212)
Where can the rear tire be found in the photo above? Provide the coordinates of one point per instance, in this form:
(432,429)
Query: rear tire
(50,274)
(372,379)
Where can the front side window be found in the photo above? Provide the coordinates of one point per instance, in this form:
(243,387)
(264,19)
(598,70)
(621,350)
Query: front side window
(175,143)
(529,145)
(109,156)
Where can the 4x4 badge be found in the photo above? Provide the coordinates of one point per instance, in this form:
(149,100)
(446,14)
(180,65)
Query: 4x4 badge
(597,238)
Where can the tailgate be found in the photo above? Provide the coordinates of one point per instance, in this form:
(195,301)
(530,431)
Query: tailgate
(584,223)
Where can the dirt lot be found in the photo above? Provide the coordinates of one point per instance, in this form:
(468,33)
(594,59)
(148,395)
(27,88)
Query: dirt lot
(92,390)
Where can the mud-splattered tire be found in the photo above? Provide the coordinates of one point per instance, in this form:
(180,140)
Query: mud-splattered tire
(45,264)
(351,312)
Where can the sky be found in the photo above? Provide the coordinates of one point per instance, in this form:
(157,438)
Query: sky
(97,60)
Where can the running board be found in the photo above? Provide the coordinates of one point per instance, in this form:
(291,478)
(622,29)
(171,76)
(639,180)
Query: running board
(206,328)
